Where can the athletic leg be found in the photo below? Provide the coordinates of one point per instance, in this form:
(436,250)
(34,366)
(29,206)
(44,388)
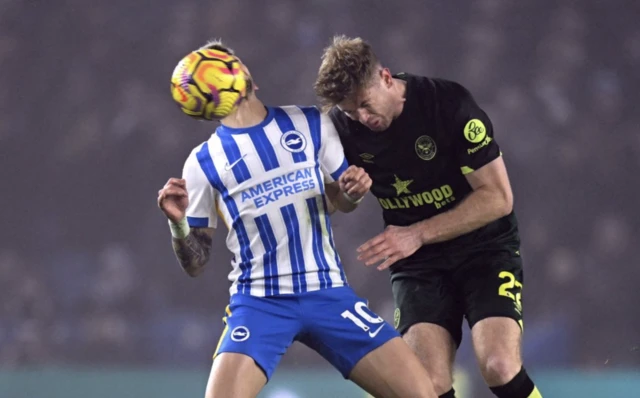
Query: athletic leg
(429,315)
(436,350)
(492,285)
(363,347)
(235,375)
(258,331)
(393,371)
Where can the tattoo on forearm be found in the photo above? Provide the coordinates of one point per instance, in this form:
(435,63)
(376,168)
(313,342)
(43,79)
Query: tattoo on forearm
(193,251)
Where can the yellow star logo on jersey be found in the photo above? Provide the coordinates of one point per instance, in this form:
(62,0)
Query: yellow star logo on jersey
(401,186)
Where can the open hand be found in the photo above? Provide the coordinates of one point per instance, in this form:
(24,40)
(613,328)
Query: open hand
(392,245)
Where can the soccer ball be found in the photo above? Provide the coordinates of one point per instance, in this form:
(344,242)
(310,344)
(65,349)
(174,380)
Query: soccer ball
(208,84)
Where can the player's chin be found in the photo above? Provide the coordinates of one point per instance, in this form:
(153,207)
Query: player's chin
(378,127)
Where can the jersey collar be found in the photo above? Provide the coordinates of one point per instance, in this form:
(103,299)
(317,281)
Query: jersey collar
(222,129)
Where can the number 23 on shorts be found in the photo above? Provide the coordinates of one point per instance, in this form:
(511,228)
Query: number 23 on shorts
(510,284)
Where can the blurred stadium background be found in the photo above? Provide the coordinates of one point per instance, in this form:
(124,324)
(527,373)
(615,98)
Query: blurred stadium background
(93,301)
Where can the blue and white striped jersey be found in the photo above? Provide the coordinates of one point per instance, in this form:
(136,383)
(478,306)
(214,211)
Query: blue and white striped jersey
(266,183)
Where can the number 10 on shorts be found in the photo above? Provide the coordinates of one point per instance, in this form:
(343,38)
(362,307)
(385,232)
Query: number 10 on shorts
(361,314)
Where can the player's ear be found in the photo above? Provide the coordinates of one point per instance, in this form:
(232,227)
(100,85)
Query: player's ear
(245,68)
(387,78)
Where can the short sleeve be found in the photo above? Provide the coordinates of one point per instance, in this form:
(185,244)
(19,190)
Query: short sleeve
(473,134)
(331,155)
(201,212)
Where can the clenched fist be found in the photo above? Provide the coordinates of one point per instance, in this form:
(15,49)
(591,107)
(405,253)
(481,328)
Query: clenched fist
(173,199)
(355,182)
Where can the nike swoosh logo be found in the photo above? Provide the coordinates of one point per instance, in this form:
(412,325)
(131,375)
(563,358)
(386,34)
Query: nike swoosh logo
(375,333)
(228,166)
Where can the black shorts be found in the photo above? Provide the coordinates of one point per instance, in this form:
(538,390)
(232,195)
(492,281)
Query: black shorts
(443,290)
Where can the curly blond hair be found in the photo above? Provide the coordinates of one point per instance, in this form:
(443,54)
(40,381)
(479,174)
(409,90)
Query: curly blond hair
(348,65)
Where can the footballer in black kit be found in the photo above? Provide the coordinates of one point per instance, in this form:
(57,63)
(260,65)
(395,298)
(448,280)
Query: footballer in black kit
(418,169)
(451,237)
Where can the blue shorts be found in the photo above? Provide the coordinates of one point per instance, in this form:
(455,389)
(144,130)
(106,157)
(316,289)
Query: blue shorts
(335,323)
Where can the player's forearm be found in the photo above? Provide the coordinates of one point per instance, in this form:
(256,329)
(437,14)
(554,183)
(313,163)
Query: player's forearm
(192,251)
(342,203)
(337,200)
(480,208)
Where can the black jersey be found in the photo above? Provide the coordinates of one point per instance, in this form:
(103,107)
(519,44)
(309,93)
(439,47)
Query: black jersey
(418,164)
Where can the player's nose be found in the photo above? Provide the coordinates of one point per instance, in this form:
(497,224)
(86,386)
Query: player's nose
(363,116)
